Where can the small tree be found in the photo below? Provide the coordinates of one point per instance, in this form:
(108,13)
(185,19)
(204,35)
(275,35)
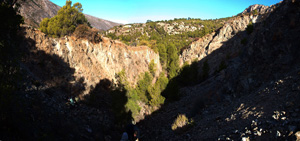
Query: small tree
(182,123)
(173,61)
(152,67)
(66,20)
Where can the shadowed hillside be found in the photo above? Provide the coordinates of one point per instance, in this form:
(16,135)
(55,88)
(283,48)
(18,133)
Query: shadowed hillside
(254,96)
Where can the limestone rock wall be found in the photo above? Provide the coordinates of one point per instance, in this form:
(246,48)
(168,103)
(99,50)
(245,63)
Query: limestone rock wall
(209,43)
(96,61)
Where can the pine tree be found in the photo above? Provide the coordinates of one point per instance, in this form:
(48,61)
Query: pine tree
(66,20)
(173,61)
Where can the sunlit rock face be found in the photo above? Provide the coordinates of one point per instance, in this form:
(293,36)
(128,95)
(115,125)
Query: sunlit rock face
(93,62)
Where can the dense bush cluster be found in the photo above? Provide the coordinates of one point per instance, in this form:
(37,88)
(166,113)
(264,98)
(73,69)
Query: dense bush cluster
(66,20)
(181,123)
(86,32)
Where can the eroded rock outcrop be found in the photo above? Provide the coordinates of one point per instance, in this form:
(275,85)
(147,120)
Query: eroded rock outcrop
(96,61)
(262,9)
(223,38)
(209,43)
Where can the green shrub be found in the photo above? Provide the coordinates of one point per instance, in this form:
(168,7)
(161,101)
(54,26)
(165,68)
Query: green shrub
(181,122)
(255,12)
(124,99)
(173,61)
(155,92)
(142,87)
(112,36)
(66,20)
(250,28)
(143,92)
(152,68)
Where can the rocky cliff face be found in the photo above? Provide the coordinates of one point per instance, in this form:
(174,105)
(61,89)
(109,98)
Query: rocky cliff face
(34,11)
(96,61)
(262,9)
(209,43)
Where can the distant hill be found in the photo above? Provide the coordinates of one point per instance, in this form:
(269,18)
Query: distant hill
(34,11)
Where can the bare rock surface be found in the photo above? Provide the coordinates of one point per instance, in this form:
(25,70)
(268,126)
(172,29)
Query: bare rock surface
(96,61)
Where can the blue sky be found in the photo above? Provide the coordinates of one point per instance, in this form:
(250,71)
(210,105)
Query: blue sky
(139,11)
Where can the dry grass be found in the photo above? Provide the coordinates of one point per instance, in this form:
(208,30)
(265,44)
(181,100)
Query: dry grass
(180,122)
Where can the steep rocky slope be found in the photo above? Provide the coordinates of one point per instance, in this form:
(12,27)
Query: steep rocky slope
(257,8)
(208,44)
(34,11)
(254,97)
(96,61)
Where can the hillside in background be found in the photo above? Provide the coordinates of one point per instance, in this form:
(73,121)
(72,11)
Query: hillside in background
(34,11)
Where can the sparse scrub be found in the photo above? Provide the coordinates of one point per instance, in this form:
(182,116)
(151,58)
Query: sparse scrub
(182,123)
(255,12)
(84,31)
(250,28)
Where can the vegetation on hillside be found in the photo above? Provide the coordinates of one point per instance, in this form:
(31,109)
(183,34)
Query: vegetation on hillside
(156,35)
(169,45)
(144,91)
(66,20)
